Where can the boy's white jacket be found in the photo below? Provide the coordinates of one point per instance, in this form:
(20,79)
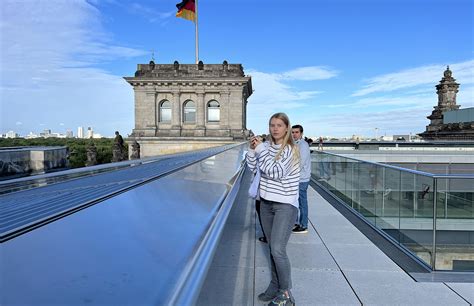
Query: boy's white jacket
(305,160)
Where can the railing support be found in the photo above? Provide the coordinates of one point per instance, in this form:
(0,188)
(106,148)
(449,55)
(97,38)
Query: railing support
(435,202)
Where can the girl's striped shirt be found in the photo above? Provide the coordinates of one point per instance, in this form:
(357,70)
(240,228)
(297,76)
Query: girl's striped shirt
(280,178)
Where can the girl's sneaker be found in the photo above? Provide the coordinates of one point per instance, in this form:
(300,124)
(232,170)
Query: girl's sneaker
(282,299)
(265,297)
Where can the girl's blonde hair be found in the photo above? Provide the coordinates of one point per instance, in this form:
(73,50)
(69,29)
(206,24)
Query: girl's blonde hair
(287,140)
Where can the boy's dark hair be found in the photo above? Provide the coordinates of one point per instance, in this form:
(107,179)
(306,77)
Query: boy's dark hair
(297,126)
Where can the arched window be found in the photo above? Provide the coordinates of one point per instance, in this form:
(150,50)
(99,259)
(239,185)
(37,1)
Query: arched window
(213,111)
(189,112)
(165,111)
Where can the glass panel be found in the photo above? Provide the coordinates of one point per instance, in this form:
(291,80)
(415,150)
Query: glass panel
(165,111)
(190,112)
(319,166)
(345,177)
(331,163)
(402,205)
(356,186)
(367,182)
(213,104)
(388,202)
(416,211)
(455,225)
(165,115)
(338,177)
(213,114)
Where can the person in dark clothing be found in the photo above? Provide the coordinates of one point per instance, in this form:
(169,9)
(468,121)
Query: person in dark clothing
(257,207)
(118,139)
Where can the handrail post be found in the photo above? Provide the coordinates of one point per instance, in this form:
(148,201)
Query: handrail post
(435,202)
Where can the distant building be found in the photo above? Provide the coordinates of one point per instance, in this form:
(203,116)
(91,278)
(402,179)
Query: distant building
(80,132)
(69,134)
(90,132)
(46,133)
(181,107)
(12,134)
(448,122)
(31,135)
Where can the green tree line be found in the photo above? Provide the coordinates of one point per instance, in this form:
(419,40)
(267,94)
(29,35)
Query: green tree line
(77,147)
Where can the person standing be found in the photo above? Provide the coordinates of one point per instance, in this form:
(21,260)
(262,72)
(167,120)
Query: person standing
(320,144)
(278,162)
(305,174)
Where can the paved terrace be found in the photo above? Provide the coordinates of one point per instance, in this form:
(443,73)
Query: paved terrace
(333,264)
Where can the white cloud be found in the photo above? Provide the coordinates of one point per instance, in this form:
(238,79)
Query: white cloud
(426,100)
(400,121)
(151,14)
(310,73)
(272,94)
(465,96)
(428,75)
(48,53)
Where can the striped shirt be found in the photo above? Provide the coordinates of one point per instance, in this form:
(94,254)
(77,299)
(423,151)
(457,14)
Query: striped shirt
(280,178)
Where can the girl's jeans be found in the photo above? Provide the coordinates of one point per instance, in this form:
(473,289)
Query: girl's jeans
(277,221)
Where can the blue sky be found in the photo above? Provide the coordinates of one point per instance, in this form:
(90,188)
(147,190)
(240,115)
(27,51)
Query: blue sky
(338,67)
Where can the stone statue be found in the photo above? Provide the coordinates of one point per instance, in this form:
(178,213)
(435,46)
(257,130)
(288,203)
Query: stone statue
(91,152)
(135,150)
(118,151)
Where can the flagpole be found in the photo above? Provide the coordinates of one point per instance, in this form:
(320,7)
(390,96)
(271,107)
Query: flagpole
(197,34)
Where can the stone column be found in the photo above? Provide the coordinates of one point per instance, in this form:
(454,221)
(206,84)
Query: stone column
(200,115)
(225,109)
(235,114)
(148,113)
(176,115)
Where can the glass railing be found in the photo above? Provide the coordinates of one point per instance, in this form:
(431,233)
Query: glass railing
(403,204)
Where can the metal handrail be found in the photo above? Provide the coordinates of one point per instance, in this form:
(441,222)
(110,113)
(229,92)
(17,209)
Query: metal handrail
(189,285)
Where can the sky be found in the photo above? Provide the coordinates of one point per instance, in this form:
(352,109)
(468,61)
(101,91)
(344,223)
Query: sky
(337,67)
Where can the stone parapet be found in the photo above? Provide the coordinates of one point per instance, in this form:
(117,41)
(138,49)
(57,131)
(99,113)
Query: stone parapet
(25,161)
(153,146)
(176,70)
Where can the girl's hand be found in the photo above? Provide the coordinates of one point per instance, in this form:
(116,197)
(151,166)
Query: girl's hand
(254,142)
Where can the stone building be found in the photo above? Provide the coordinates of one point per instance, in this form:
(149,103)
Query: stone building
(443,123)
(181,107)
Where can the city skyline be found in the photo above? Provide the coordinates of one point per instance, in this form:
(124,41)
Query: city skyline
(337,67)
(82,132)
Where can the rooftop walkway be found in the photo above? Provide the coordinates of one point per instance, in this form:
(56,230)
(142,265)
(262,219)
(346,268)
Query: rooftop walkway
(333,264)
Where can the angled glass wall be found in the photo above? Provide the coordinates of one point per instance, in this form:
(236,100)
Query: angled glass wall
(403,204)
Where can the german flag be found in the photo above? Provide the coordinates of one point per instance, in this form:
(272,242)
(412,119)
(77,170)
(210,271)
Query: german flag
(186,10)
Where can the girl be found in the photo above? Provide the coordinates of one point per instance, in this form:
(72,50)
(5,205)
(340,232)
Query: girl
(278,162)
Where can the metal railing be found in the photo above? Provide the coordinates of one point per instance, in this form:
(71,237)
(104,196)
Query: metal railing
(430,215)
